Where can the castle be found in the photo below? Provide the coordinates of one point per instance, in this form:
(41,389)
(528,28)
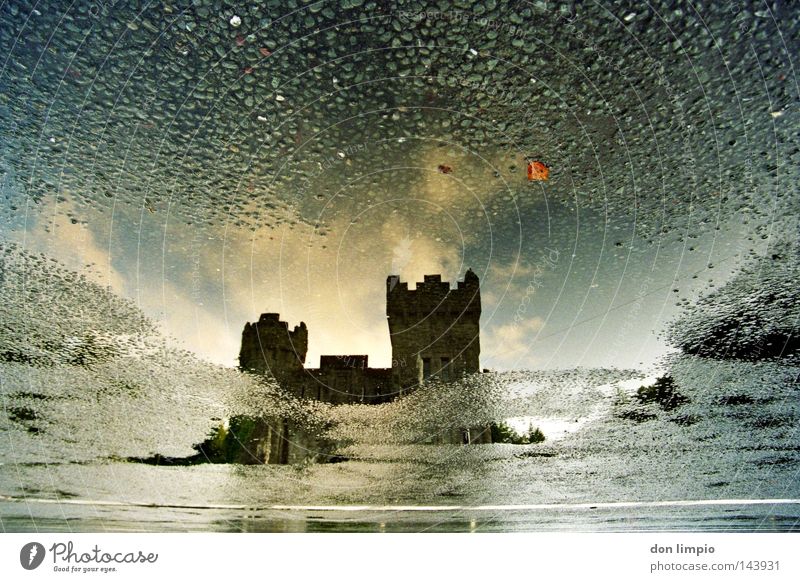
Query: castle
(434,332)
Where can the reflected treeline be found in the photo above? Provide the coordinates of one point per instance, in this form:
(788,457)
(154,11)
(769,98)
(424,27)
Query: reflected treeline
(754,316)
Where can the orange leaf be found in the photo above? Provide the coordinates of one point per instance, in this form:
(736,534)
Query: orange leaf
(538,171)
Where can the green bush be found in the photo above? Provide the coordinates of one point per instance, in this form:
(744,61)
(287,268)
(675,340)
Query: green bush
(502,433)
(535,435)
(663,392)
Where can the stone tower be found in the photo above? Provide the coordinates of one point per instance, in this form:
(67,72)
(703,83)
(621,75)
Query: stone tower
(434,330)
(269,347)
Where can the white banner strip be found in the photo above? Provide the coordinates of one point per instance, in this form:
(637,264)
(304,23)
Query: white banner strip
(490,557)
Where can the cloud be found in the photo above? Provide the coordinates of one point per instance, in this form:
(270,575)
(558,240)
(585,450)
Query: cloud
(172,305)
(73,244)
(338,291)
(203,283)
(336,283)
(190,325)
(505,345)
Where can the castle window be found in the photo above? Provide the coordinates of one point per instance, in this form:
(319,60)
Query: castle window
(445,373)
(426,368)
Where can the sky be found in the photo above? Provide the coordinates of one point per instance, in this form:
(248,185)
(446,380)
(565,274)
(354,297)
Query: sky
(211,171)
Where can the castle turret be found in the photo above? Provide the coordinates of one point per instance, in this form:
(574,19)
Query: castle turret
(434,330)
(269,347)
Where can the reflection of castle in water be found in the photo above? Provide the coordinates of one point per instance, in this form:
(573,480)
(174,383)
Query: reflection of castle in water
(434,330)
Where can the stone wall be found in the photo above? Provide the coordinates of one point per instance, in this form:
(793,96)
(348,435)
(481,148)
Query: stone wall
(269,347)
(434,330)
(346,380)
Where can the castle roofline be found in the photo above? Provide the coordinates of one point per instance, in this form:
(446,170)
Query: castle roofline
(432,282)
(274,320)
(344,362)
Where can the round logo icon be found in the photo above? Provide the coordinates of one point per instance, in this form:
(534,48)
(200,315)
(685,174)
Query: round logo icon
(31,555)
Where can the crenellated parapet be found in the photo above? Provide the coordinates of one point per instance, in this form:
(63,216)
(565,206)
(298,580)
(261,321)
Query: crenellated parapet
(433,296)
(434,330)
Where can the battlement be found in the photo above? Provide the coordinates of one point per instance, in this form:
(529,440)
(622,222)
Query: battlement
(432,294)
(272,321)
